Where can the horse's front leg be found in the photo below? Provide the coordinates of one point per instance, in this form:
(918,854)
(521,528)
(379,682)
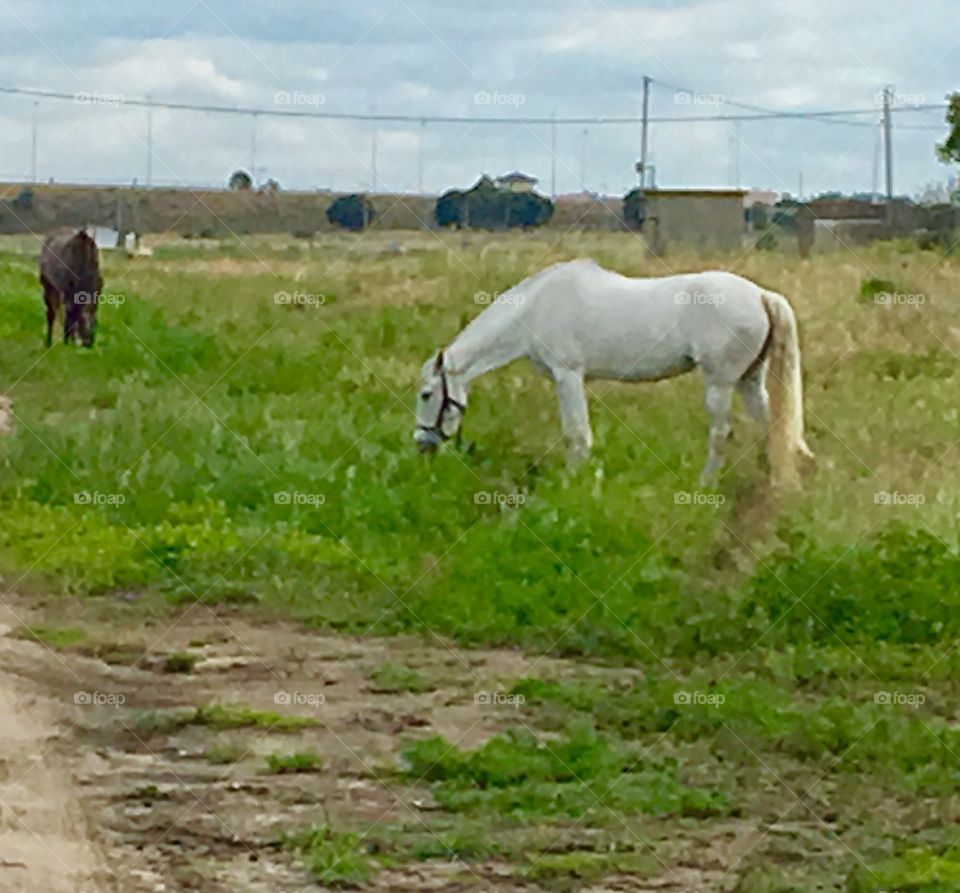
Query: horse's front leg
(718,399)
(574,414)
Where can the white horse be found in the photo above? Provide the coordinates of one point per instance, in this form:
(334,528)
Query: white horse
(577,320)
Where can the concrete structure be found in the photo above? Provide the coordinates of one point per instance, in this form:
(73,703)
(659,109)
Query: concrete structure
(844,234)
(705,219)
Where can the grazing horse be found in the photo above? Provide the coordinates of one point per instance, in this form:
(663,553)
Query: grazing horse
(70,276)
(577,320)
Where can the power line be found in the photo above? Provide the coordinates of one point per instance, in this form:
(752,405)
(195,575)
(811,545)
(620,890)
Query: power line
(823,117)
(762,115)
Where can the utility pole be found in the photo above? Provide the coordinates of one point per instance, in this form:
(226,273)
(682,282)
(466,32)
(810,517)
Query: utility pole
(644,135)
(875,183)
(373,158)
(149,141)
(33,156)
(253,150)
(423,127)
(888,148)
(583,160)
(553,156)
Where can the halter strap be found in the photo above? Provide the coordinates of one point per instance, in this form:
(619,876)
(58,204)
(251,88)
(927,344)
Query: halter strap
(437,427)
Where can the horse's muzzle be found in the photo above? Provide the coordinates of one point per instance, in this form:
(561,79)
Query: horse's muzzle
(426,440)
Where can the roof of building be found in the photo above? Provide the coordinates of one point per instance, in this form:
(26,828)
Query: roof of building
(517,177)
(698,193)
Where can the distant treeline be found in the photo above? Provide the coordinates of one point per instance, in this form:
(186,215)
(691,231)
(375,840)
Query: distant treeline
(484,206)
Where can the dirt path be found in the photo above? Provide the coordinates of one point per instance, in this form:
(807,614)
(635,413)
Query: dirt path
(45,840)
(104,790)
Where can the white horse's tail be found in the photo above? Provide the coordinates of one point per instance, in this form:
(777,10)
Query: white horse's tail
(785,390)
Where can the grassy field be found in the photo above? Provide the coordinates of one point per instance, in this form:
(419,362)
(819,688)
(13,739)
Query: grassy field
(786,663)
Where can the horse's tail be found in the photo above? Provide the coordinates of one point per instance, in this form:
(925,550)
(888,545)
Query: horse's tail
(785,390)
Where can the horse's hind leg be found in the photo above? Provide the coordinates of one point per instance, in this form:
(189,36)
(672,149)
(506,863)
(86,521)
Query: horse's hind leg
(753,390)
(574,413)
(718,400)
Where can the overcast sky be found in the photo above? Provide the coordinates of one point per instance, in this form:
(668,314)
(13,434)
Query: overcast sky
(458,58)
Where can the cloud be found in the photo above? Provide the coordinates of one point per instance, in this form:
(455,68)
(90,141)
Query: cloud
(563,57)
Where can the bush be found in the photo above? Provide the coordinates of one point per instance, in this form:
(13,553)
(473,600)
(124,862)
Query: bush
(449,209)
(354,212)
(486,206)
(635,208)
(240,181)
(24,199)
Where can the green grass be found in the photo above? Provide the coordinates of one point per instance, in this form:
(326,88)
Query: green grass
(206,402)
(180,662)
(519,774)
(335,858)
(56,636)
(286,764)
(391,678)
(219,717)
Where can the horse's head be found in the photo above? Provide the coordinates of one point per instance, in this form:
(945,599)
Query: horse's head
(81,320)
(86,284)
(441,403)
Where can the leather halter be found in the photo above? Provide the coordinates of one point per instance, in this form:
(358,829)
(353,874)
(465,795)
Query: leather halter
(437,427)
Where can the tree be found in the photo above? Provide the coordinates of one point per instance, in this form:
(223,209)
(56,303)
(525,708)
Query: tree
(949,149)
(240,181)
(487,206)
(449,209)
(527,209)
(635,208)
(353,212)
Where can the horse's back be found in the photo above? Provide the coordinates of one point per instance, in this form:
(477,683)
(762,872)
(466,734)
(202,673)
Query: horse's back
(616,326)
(68,254)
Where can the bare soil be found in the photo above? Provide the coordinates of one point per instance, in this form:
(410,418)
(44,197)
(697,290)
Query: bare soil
(99,796)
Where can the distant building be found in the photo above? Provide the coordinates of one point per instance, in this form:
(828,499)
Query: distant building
(761,197)
(710,219)
(517,182)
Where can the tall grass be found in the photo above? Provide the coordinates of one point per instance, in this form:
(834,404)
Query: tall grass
(206,401)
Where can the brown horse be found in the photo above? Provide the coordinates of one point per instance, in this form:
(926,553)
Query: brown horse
(70,276)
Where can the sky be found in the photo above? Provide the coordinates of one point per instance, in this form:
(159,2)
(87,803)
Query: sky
(514,60)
